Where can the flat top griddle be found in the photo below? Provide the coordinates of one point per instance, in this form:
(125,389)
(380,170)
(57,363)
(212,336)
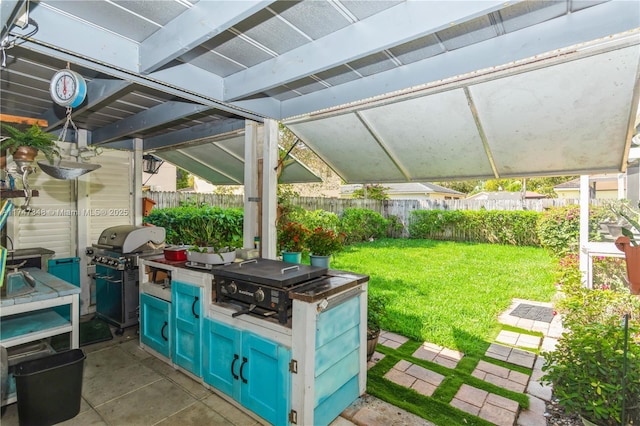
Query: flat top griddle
(269,272)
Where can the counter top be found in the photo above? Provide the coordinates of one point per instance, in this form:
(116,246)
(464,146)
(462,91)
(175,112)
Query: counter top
(334,282)
(47,287)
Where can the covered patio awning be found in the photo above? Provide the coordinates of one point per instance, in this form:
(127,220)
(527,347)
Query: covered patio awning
(567,112)
(222,161)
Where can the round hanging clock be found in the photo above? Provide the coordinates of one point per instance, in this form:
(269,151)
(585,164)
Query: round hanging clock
(68,88)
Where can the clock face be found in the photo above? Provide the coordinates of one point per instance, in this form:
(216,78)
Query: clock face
(68,88)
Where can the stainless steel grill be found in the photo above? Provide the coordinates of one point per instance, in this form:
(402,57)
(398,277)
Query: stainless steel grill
(116,256)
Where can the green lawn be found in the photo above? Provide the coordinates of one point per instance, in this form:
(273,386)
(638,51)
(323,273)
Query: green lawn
(449,293)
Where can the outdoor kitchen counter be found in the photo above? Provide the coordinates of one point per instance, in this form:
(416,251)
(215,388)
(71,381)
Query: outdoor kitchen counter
(338,282)
(310,367)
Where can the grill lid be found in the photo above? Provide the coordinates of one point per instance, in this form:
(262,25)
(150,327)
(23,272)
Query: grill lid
(270,272)
(131,239)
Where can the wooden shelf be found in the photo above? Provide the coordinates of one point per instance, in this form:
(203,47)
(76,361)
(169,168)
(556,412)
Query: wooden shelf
(18,193)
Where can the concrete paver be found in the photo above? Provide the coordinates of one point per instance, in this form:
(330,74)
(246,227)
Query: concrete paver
(410,375)
(391,340)
(494,408)
(501,376)
(446,357)
(511,355)
(399,377)
(371,411)
(534,415)
(375,358)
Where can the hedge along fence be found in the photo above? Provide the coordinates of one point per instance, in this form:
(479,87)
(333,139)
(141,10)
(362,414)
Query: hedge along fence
(497,227)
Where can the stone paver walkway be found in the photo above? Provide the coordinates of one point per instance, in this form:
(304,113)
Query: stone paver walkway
(511,355)
(518,339)
(501,376)
(415,377)
(491,407)
(478,402)
(434,353)
(391,340)
(551,329)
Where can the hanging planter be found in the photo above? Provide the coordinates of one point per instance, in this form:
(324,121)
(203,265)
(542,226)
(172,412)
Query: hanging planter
(24,145)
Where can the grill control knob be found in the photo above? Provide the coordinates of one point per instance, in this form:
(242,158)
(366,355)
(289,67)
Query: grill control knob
(259,295)
(232,288)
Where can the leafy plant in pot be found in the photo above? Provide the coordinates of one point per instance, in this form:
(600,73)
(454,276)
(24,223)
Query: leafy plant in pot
(24,145)
(292,238)
(376,310)
(213,241)
(323,243)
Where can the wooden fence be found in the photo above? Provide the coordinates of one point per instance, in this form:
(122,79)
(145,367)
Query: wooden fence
(400,209)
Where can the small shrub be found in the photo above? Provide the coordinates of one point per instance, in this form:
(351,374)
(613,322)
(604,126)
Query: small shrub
(199,225)
(559,228)
(495,226)
(587,370)
(394,227)
(319,218)
(362,225)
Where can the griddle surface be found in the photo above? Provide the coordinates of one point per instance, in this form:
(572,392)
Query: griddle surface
(270,272)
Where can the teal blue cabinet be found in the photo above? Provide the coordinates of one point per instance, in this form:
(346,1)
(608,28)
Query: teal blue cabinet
(155,327)
(251,369)
(186,346)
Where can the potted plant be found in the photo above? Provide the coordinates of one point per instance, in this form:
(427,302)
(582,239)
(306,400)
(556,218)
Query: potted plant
(24,145)
(376,310)
(213,242)
(292,239)
(322,243)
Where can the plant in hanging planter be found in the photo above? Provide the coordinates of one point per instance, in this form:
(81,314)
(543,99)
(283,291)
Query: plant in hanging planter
(24,145)
(325,242)
(292,237)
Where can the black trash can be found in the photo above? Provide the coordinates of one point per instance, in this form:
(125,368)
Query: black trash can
(49,389)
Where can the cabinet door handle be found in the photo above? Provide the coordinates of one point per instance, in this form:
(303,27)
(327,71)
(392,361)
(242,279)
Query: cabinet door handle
(162,331)
(233,373)
(244,361)
(193,307)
